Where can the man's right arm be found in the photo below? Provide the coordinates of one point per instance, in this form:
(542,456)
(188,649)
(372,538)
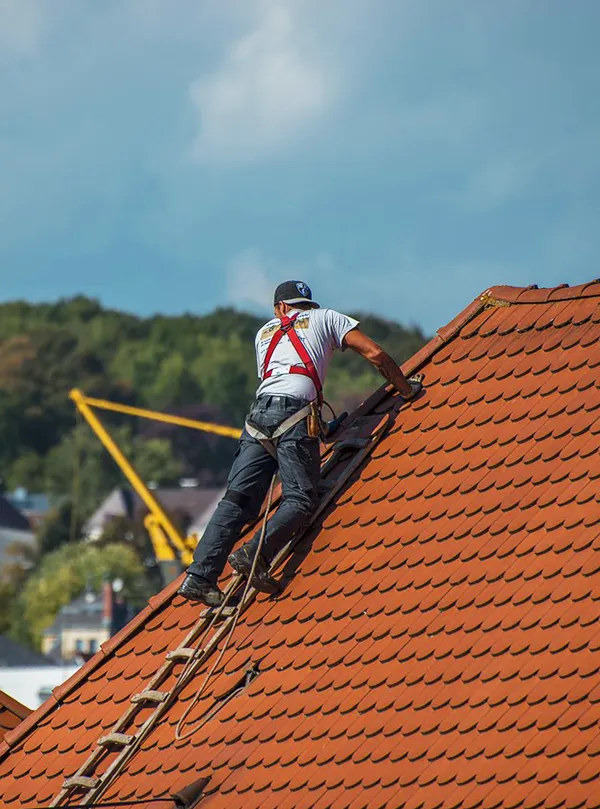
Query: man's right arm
(371,351)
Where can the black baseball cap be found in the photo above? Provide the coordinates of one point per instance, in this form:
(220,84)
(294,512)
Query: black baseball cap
(294,292)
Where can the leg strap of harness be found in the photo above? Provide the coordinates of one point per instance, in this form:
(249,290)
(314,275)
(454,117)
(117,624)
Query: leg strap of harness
(270,442)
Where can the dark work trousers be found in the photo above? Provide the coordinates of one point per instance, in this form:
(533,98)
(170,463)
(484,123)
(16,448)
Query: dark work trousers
(248,483)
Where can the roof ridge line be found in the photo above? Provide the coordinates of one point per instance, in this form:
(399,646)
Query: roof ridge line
(490,296)
(13,705)
(534,294)
(442,336)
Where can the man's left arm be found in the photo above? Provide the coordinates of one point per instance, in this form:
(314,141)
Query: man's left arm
(380,359)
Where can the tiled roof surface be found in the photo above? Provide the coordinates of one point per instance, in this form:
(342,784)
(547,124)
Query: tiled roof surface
(439,646)
(11,713)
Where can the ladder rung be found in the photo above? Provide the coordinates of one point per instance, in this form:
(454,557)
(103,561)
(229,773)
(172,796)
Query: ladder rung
(115,740)
(80,782)
(226,612)
(183,653)
(150,696)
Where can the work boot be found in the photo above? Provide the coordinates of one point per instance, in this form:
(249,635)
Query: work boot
(197,588)
(241,561)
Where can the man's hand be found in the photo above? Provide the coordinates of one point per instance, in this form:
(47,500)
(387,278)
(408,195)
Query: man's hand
(367,348)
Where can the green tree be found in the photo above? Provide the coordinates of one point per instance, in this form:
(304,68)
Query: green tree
(133,533)
(82,468)
(161,362)
(154,461)
(64,574)
(27,471)
(173,382)
(13,574)
(138,364)
(62,525)
(8,593)
(226,369)
(37,370)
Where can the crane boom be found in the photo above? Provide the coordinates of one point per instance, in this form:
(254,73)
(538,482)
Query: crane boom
(171,549)
(167,418)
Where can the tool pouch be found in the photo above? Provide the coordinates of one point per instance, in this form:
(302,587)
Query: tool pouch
(313,421)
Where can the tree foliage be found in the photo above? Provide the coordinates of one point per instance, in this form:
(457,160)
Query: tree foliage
(61,526)
(162,363)
(200,367)
(65,574)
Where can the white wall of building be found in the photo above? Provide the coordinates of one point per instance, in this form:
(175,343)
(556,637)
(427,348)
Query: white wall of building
(31,685)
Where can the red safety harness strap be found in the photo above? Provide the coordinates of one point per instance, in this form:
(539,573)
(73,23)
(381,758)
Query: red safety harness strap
(307,369)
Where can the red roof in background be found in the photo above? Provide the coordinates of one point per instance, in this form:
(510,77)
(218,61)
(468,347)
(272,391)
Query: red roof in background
(11,713)
(438,647)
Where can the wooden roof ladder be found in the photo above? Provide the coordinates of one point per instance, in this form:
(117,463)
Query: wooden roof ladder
(202,640)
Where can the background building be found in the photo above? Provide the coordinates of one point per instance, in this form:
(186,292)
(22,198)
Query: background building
(28,676)
(16,533)
(82,626)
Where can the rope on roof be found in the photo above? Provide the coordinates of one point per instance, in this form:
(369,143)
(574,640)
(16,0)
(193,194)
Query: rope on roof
(109,804)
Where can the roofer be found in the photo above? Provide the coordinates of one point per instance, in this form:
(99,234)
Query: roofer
(292,351)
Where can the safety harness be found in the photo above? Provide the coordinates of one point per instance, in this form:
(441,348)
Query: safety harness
(287,326)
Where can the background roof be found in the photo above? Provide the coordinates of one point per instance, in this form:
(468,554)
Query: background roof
(192,501)
(11,713)
(11,517)
(13,655)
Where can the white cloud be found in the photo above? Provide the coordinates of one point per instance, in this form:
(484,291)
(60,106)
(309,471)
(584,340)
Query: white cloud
(269,87)
(21,26)
(251,277)
(248,281)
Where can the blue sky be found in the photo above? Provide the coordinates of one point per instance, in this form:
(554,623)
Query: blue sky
(399,155)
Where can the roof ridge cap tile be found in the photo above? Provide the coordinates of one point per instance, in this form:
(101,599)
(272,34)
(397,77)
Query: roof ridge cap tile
(14,706)
(13,736)
(505,294)
(452,328)
(535,294)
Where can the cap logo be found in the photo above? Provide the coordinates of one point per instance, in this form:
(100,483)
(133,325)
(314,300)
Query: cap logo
(303,289)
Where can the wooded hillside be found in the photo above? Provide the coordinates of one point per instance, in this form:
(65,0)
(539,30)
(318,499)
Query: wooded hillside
(202,366)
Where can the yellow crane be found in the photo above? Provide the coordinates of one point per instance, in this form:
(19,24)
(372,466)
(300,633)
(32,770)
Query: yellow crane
(172,551)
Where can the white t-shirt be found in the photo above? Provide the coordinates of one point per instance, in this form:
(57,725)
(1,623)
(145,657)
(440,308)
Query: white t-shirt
(321,332)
